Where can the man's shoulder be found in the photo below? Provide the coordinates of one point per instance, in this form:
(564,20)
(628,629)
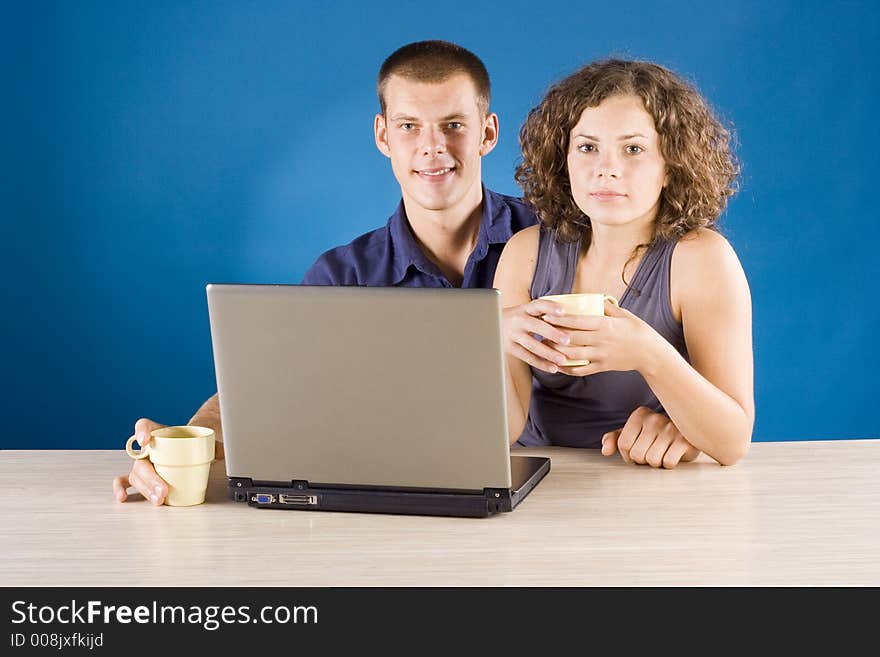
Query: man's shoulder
(342,264)
(522,214)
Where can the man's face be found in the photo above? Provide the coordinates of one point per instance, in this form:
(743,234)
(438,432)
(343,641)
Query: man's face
(435,135)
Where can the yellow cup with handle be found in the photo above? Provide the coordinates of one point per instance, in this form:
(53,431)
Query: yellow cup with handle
(581,303)
(182,456)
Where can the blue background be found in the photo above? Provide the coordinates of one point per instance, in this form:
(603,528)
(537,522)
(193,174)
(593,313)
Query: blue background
(151,148)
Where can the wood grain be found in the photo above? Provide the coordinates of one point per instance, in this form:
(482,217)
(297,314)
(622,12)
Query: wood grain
(789,514)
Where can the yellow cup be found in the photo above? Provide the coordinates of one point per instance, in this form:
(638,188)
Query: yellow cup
(182,456)
(584,303)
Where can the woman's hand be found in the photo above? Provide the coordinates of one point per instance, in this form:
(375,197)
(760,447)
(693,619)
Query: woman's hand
(649,438)
(520,325)
(618,341)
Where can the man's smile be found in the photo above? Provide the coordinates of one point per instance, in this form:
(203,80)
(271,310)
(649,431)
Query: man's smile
(436,174)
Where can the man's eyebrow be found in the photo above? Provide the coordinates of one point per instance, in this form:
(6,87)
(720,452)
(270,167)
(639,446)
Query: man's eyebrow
(621,138)
(458,116)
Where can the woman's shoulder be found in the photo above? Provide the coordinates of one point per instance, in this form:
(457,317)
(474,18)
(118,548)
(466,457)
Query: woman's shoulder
(524,239)
(522,247)
(704,264)
(700,249)
(518,259)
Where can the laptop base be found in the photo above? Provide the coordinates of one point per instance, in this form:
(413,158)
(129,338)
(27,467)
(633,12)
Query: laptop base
(526,472)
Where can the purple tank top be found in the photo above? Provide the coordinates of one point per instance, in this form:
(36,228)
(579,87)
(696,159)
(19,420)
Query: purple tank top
(578,411)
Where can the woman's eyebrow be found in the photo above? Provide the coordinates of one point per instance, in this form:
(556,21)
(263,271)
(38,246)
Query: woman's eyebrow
(621,138)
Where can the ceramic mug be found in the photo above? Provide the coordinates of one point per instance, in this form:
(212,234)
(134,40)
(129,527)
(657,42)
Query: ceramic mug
(182,456)
(584,303)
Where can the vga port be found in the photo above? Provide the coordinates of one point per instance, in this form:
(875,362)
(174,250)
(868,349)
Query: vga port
(263,498)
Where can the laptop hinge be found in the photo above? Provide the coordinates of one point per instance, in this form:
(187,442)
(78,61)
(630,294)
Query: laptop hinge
(237,488)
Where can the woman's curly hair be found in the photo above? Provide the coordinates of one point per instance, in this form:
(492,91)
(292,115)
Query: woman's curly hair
(701,166)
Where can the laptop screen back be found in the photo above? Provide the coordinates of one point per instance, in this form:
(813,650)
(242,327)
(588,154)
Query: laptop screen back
(390,387)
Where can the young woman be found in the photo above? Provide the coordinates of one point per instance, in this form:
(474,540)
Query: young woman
(628,170)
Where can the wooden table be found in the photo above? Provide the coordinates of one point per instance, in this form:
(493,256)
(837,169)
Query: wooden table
(790,513)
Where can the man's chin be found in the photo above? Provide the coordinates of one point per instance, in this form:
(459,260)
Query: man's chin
(435,202)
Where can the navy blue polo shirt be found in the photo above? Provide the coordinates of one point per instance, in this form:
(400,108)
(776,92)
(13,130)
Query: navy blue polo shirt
(390,257)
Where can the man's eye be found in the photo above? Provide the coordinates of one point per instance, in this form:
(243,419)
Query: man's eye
(407,126)
(454,125)
(633,149)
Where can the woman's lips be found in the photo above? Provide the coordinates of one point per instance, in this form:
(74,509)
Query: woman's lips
(607,196)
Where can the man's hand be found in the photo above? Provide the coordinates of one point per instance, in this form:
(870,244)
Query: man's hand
(143,476)
(649,438)
(520,324)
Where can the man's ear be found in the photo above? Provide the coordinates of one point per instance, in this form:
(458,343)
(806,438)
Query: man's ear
(380,132)
(490,134)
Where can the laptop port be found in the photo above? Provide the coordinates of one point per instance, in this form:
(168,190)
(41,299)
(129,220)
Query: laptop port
(263,498)
(300,500)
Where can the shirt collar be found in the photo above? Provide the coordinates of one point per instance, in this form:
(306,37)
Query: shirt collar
(404,248)
(495,228)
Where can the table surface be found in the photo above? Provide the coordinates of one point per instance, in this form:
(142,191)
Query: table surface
(790,513)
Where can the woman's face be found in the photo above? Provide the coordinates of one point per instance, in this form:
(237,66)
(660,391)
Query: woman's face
(614,163)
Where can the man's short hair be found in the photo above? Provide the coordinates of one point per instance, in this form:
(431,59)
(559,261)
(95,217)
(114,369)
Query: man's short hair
(435,61)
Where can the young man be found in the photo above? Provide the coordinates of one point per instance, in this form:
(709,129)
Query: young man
(448,231)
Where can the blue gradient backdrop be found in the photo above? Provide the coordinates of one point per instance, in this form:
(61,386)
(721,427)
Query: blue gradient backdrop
(149,148)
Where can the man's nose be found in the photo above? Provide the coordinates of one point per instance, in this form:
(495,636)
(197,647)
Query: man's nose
(433,141)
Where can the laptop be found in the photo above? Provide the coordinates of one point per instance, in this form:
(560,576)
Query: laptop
(368,399)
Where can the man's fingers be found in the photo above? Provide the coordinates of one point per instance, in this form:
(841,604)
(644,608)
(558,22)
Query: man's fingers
(142,429)
(609,443)
(143,477)
(119,486)
(135,482)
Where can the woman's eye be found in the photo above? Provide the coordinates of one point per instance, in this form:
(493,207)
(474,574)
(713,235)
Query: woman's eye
(633,149)
(587,148)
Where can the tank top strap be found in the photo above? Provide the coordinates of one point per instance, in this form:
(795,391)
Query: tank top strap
(653,270)
(556,265)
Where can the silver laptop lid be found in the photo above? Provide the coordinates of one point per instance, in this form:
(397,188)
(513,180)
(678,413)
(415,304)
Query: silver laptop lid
(395,387)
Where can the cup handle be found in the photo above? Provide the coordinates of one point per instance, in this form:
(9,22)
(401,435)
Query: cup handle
(145,451)
(608,297)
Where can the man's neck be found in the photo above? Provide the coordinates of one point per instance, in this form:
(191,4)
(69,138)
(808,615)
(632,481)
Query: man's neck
(447,237)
